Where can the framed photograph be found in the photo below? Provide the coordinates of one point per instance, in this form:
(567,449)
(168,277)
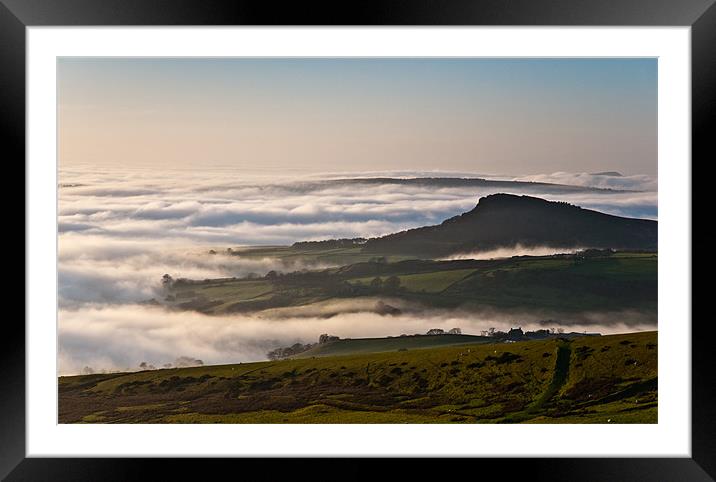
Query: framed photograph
(403,230)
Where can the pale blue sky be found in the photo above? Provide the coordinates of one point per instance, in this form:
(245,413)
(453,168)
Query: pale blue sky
(508,116)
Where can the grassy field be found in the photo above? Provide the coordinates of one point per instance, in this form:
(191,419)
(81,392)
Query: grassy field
(621,281)
(432,282)
(378,345)
(610,379)
(302,256)
(627,282)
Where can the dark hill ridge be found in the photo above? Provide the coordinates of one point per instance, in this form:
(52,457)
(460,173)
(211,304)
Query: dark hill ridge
(530,187)
(608,173)
(522,187)
(505,220)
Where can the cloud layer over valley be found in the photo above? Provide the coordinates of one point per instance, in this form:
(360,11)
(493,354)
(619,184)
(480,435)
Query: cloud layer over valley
(120,337)
(121,230)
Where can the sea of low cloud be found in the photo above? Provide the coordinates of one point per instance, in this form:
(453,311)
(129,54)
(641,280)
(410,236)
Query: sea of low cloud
(98,337)
(121,230)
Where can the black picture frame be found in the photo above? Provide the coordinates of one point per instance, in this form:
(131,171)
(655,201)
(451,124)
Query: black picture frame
(16,15)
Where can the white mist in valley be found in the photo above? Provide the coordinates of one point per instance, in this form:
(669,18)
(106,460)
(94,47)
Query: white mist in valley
(516,250)
(120,337)
(93,269)
(120,231)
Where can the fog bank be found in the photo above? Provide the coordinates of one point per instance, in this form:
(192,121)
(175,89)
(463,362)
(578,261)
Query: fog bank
(120,230)
(120,337)
(516,250)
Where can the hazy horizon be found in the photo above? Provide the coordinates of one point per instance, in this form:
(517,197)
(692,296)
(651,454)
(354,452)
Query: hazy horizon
(310,115)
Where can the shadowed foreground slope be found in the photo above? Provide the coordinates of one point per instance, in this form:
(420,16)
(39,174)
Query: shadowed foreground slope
(609,379)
